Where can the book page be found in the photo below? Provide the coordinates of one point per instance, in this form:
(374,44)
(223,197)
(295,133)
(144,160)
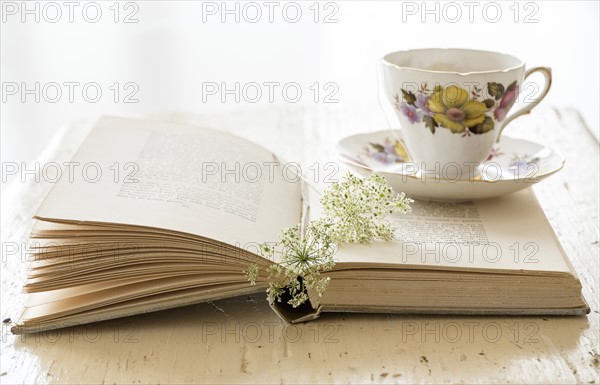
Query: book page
(176,177)
(507,233)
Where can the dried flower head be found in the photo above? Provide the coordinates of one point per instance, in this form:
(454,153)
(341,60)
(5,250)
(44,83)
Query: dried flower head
(252,273)
(300,259)
(357,209)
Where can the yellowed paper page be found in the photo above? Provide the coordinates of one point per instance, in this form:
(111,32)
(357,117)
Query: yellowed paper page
(176,177)
(509,233)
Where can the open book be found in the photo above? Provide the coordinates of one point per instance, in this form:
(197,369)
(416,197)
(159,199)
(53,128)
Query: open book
(159,215)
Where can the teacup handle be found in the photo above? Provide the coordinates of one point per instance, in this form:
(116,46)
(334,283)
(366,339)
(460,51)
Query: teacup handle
(547,73)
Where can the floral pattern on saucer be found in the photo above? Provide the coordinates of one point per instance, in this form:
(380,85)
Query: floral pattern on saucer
(388,152)
(392,151)
(513,166)
(524,165)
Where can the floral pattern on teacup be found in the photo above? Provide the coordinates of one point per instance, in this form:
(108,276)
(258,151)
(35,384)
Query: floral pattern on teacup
(495,153)
(453,108)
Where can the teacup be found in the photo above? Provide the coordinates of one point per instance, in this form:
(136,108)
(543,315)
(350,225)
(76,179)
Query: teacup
(453,104)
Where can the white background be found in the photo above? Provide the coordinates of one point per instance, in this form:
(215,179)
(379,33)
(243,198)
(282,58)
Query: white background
(175,47)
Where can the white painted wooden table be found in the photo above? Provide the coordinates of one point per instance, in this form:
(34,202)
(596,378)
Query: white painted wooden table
(242,341)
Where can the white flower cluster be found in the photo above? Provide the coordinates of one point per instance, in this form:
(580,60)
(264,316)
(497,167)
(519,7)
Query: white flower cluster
(355,210)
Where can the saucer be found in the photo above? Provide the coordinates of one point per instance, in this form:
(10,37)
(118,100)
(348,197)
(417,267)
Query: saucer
(514,164)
